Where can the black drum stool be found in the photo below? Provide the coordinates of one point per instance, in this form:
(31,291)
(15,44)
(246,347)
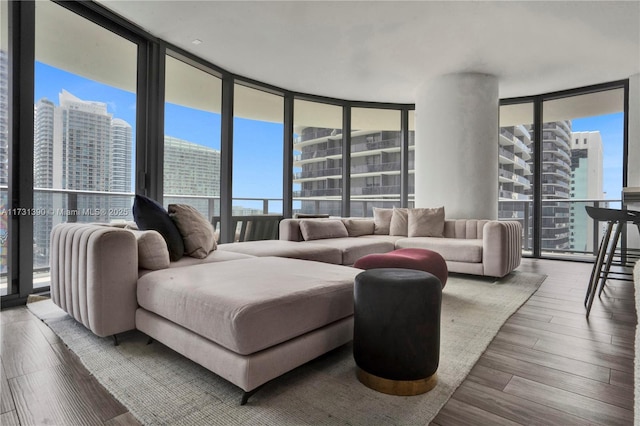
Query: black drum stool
(396,342)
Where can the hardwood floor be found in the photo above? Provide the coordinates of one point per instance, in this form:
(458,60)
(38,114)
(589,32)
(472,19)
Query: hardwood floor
(548,365)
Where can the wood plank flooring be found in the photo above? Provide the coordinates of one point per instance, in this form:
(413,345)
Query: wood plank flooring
(548,365)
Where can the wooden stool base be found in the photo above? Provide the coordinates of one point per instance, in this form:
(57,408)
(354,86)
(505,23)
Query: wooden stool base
(397,387)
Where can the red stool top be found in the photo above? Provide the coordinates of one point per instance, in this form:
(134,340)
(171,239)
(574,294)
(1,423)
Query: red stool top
(407,258)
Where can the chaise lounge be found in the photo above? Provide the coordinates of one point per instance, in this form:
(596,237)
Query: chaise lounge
(245,318)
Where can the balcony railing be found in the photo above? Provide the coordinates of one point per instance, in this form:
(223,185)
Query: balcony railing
(318,154)
(587,233)
(375,168)
(306,174)
(52,206)
(372,146)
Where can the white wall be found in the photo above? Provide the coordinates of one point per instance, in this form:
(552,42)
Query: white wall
(456,149)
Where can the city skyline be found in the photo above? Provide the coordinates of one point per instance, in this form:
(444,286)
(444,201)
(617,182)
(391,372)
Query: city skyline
(203,128)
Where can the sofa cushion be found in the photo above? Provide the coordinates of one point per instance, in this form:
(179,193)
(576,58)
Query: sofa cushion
(197,232)
(426,222)
(399,222)
(295,250)
(251,304)
(382,220)
(150,215)
(317,230)
(359,227)
(452,249)
(354,248)
(153,253)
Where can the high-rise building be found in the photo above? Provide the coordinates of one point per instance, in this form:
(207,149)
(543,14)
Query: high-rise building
(556,177)
(78,146)
(4,119)
(514,172)
(586,183)
(194,170)
(374,172)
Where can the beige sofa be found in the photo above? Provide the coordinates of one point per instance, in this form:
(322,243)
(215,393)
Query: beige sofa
(249,311)
(248,319)
(469,246)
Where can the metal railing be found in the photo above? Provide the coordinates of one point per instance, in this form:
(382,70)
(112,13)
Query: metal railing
(52,206)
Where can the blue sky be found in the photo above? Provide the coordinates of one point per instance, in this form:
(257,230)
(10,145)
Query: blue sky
(611,131)
(258,147)
(257,166)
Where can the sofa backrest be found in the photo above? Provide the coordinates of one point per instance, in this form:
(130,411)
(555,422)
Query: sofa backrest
(453,228)
(469,229)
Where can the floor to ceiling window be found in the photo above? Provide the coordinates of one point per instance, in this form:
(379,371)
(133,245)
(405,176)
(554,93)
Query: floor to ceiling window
(258,141)
(317,162)
(192,120)
(4,145)
(582,164)
(85,117)
(376,141)
(581,154)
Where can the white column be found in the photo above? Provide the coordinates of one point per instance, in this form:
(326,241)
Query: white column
(456,152)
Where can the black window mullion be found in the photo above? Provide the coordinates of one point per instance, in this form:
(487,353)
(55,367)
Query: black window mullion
(404,158)
(287,163)
(227,234)
(21,93)
(346,161)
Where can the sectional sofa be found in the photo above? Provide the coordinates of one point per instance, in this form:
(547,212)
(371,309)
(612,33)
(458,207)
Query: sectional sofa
(248,319)
(469,246)
(247,311)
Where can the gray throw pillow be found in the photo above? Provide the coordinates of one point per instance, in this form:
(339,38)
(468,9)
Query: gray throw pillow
(358,227)
(197,233)
(153,253)
(382,220)
(425,222)
(321,229)
(399,222)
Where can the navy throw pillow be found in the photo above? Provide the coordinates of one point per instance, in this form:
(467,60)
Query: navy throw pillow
(150,215)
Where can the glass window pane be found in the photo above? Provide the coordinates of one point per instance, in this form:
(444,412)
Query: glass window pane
(582,165)
(376,141)
(258,138)
(4,144)
(85,111)
(192,138)
(515,168)
(317,164)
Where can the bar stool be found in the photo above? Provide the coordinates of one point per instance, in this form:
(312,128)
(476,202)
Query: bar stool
(607,250)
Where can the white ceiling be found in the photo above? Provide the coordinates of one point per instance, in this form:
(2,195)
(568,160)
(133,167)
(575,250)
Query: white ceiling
(384,50)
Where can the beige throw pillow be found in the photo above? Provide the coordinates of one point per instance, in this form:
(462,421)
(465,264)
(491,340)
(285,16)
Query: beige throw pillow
(399,222)
(382,220)
(321,229)
(426,222)
(359,227)
(197,233)
(153,253)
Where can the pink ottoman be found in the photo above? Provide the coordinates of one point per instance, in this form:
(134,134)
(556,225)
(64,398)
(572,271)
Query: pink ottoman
(407,258)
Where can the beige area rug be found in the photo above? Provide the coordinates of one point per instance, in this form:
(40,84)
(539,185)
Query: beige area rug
(160,386)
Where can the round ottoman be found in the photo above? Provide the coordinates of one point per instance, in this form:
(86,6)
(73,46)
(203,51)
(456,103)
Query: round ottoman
(407,258)
(396,337)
